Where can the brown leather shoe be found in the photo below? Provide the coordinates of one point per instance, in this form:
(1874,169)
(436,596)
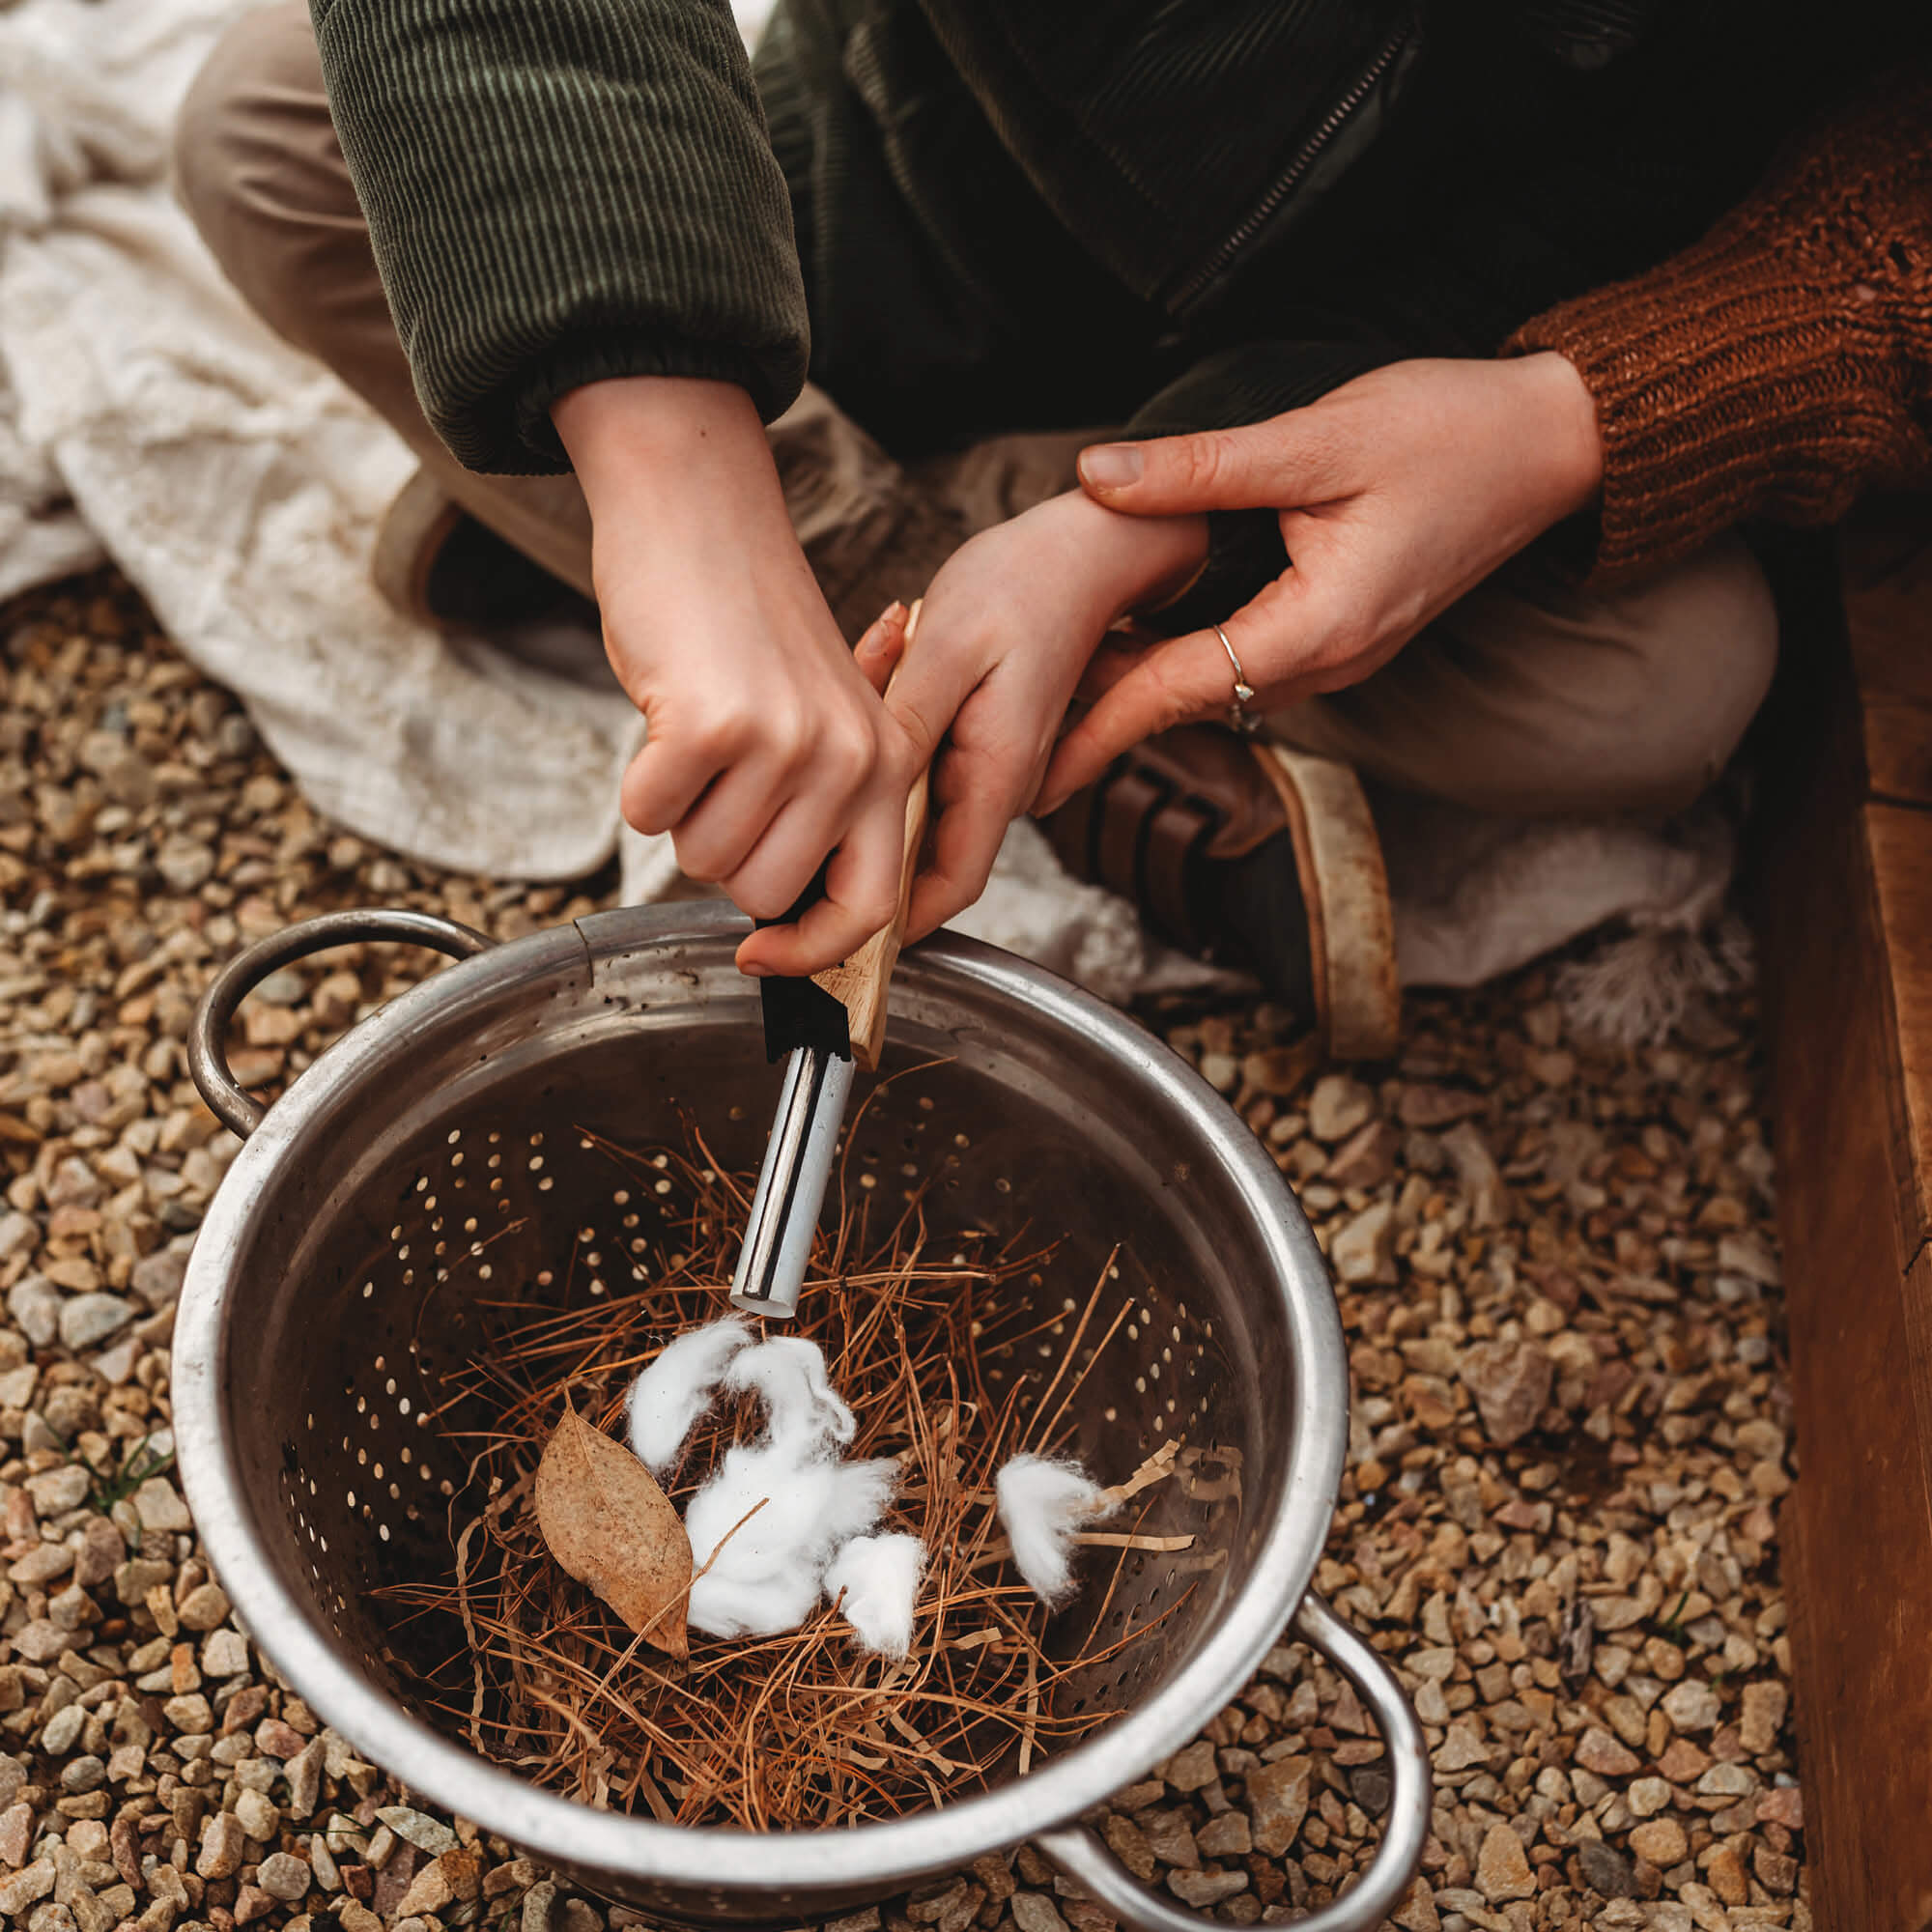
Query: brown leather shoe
(438,566)
(1250,855)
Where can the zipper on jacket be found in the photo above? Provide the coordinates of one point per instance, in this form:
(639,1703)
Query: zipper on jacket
(1291,177)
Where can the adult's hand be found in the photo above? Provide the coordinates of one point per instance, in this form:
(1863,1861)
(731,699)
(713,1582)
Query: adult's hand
(1397,492)
(768,746)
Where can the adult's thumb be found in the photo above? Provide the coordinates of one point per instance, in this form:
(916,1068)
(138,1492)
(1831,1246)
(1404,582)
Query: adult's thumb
(1176,475)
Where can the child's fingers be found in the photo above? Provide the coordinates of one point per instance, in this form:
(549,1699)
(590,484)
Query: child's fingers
(883,645)
(719,832)
(862,886)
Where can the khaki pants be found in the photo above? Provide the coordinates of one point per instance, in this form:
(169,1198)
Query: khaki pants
(1529,698)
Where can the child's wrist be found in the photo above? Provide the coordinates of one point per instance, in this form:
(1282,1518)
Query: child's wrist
(664,444)
(1135,563)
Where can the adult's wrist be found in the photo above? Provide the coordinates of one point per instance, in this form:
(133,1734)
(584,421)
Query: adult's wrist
(1567,439)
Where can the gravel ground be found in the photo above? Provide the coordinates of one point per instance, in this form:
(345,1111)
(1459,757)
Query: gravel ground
(1558,1278)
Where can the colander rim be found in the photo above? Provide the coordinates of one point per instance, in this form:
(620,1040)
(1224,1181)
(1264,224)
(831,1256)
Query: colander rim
(875,1857)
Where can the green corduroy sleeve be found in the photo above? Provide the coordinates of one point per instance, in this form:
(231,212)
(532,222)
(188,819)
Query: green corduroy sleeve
(560,192)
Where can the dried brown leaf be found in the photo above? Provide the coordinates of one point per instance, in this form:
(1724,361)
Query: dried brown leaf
(608,1523)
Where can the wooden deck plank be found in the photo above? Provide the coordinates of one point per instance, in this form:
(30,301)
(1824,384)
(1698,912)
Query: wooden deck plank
(1858,1566)
(1844,903)
(1888,569)
(1899,852)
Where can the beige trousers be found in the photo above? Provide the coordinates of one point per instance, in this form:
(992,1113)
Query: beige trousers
(1529,698)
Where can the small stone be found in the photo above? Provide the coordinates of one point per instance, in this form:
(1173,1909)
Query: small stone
(455,1874)
(1725,1872)
(35,1304)
(259,1817)
(1200,1889)
(1647,1797)
(275,1739)
(203,1607)
(1430,1107)
(1226,1836)
(225,1654)
(82,1774)
(1783,1804)
(1764,1707)
(1372,1788)
(1683,1763)
(1476,1169)
(1220,1070)
(1661,1842)
(41,1641)
(1503,1868)
(1463,1746)
(1193,1769)
(1362,1249)
(185,864)
(101,1552)
(305,1773)
(538,1903)
(1417,1912)
(1727,1780)
(19,1234)
(22,1891)
(1035,1911)
(16,1836)
(1171,1839)
(1278,1802)
(224,1844)
(251,1902)
(1511,1381)
(41,1564)
(63,1730)
(157,1278)
(1128,1843)
(931,1911)
(1750,1254)
(189,1714)
(322,1864)
(284,1876)
(1692,1706)
(1338,1107)
(418,1829)
(55,1491)
(867,1920)
(88,1319)
(159,1506)
(1366,1159)
(1604,1870)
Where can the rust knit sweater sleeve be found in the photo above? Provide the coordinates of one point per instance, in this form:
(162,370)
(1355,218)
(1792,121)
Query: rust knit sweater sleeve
(1784,364)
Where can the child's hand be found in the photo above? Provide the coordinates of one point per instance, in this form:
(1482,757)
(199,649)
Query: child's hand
(1004,633)
(768,748)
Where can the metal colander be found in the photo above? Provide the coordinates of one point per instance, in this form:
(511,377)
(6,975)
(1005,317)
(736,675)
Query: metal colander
(441,1154)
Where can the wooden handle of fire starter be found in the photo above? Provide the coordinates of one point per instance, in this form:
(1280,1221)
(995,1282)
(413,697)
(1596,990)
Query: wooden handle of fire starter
(860,983)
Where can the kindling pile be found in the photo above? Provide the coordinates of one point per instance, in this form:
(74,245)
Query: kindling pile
(803,1579)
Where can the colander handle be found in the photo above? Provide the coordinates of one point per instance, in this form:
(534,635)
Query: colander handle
(238,1109)
(1078,1853)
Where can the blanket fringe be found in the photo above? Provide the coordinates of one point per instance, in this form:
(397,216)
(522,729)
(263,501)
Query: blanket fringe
(1641,981)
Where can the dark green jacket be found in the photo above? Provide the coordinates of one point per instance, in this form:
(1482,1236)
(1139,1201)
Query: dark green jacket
(560,190)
